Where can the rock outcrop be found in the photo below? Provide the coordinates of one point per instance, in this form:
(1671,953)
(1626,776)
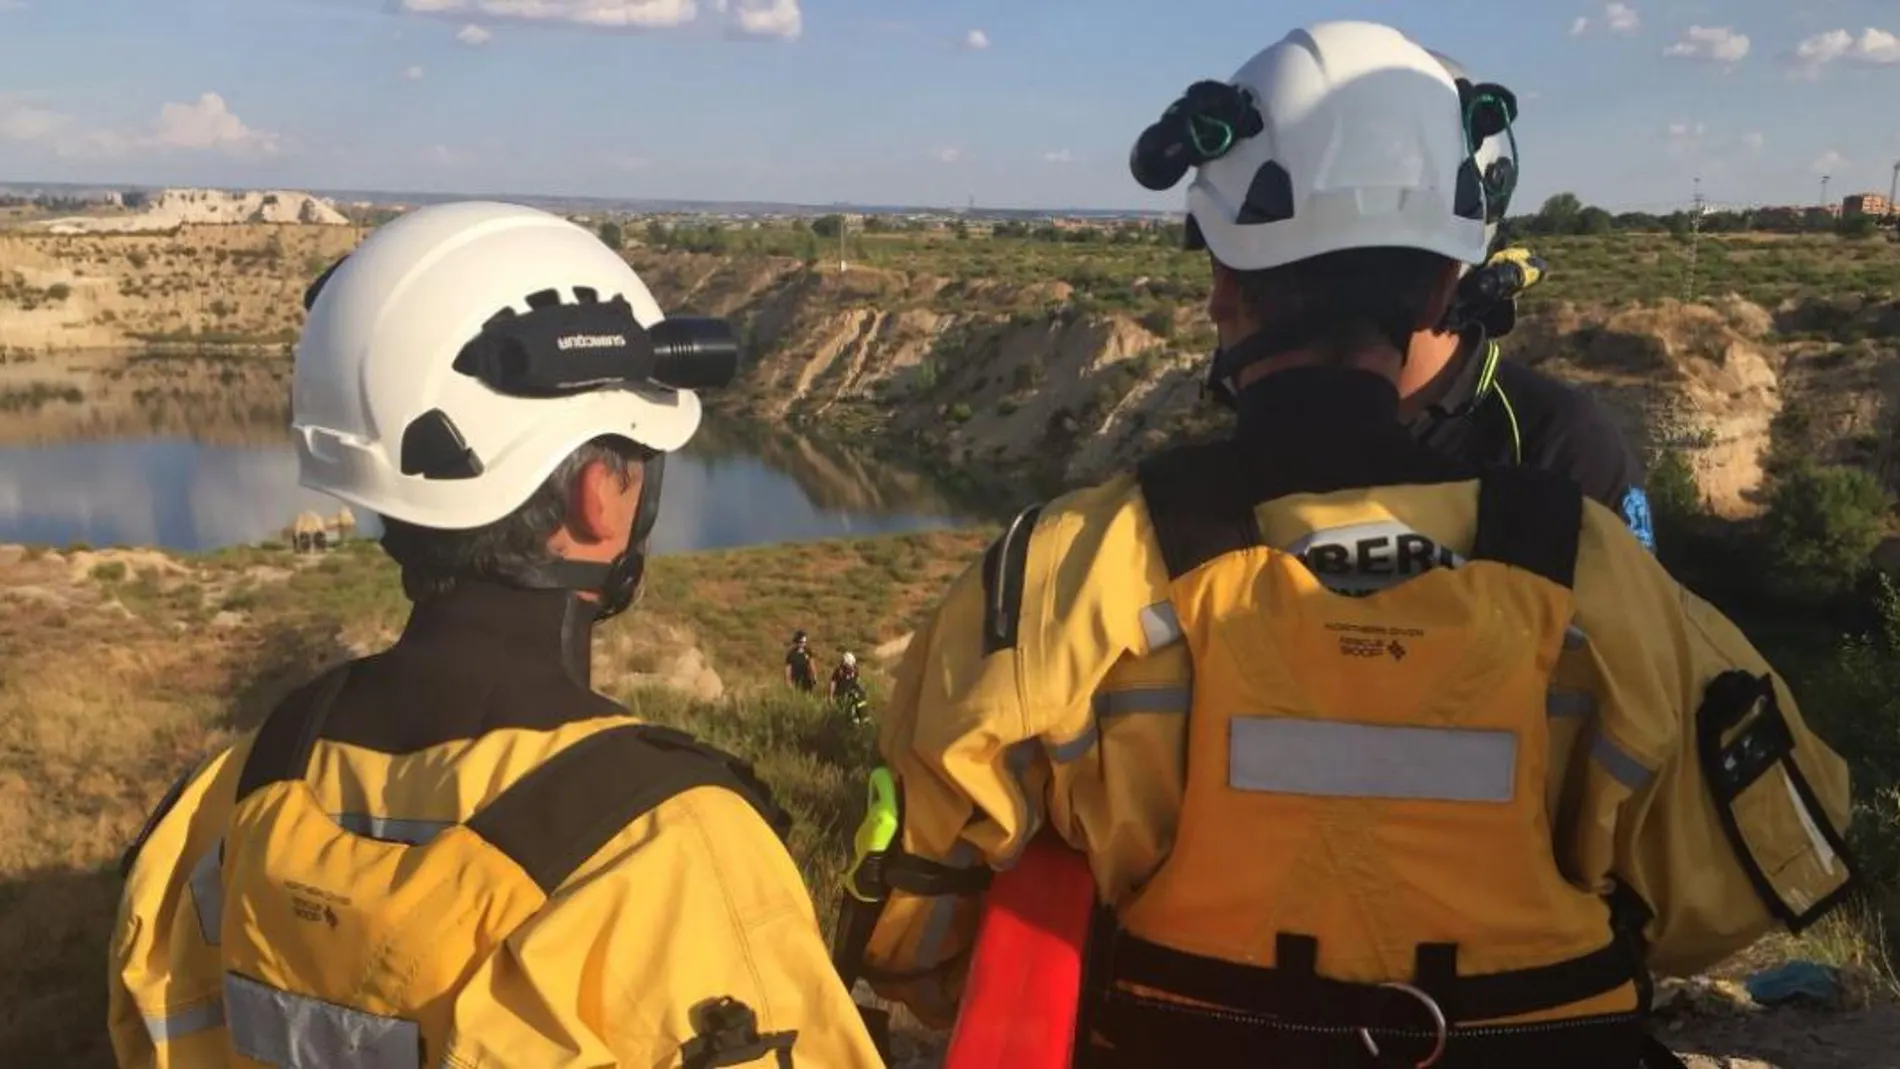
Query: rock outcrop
(208,207)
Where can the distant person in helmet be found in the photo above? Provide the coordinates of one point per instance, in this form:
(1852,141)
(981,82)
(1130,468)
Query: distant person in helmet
(845,676)
(1376,757)
(847,690)
(799,671)
(455,852)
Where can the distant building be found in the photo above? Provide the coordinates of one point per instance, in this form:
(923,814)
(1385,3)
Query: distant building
(1873,204)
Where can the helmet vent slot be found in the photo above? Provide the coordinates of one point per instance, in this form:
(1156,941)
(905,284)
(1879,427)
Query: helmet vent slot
(1470,197)
(434,448)
(1269,196)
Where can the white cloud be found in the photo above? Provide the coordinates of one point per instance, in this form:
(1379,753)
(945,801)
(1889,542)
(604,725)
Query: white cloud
(741,18)
(976,40)
(760,18)
(473,36)
(445,156)
(413,74)
(14,5)
(1873,47)
(947,155)
(1061,155)
(204,125)
(1828,162)
(207,124)
(1682,130)
(24,122)
(1617,18)
(1753,140)
(1718,44)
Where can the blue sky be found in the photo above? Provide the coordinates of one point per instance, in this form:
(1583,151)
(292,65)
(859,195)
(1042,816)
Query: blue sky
(1017,103)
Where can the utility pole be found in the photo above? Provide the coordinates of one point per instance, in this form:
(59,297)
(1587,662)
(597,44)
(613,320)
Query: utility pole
(1695,238)
(1893,188)
(844,226)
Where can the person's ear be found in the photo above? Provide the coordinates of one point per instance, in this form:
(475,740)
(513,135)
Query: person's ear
(604,502)
(1223,296)
(1438,299)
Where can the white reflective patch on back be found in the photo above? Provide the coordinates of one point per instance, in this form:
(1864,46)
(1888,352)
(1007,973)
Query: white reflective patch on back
(1364,557)
(1286,755)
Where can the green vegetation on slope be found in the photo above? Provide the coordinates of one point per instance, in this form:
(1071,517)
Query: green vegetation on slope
(1142,276)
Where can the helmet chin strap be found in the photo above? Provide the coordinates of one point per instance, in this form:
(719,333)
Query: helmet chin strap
(616,584)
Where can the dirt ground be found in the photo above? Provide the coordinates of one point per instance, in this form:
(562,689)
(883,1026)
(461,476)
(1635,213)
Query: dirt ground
(1791,1039)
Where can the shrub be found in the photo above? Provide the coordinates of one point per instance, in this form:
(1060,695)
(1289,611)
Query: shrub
(1159,322)
(1821,528)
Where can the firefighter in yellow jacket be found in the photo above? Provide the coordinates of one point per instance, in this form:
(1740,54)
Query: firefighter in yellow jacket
(454,852)
(1376,759)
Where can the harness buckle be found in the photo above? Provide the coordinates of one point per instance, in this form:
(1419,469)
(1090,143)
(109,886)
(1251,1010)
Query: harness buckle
(1439,1025)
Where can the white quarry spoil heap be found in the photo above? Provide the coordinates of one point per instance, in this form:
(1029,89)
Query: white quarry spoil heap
(180,207)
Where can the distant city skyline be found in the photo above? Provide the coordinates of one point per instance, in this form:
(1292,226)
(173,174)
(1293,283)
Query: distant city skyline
(894,102)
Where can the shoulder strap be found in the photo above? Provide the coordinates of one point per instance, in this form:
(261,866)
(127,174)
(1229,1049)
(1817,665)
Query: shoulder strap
(281,750)
(1199,503)
(553,819)
(1529,518)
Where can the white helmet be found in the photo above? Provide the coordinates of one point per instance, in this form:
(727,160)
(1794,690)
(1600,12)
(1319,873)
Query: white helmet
(427,389)
(1343,135)
(850,659)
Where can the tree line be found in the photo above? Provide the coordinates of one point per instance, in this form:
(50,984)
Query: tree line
(1565,213)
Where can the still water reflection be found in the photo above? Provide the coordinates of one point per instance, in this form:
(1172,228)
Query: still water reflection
(177,493)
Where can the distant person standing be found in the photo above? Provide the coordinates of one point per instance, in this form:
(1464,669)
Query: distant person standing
(798,664)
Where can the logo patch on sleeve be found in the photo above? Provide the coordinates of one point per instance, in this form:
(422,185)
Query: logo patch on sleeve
(1636,514)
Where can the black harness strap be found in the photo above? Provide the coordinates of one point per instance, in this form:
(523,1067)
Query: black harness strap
(1532,519)
(559,814)
(1005,569)
(281,749)
(555,817)
(1292,989)
(1199,503)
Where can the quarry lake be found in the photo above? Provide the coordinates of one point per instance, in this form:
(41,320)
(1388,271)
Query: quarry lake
(189,491)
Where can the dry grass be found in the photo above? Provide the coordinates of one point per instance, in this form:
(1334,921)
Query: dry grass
(118,670)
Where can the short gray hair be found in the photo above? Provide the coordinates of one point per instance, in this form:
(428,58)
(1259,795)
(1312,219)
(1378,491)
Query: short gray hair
(433,559)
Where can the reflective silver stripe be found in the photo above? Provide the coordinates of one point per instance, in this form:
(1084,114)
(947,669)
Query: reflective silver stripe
(1144,700)
(299,1032)
(1570,703)
(1626,769)
(185,1022)
(943,909)
(1160,626)
(207,892)
(1574,637)
(1338,760)
(392,829)
(1064,752)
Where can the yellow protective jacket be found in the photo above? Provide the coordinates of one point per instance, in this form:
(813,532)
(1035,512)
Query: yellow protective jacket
(1492,767)
(454,853)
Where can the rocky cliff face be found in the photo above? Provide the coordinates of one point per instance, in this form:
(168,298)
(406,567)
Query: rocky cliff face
(1027,379)
(1003,379)
(208,207)
(205,284)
